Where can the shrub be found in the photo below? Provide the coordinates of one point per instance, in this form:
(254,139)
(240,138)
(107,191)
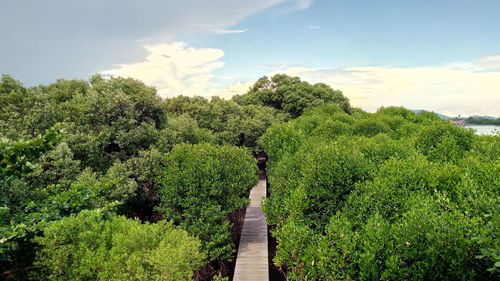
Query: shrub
(183,129)
(396,111)
(332,129)
(419,243)
(328,176)
(408,197)
(95,245)
(202,185)
(281,139)
(229,122)
(370,127)
(487,147)
(284,178)
(443,141)
(291,95)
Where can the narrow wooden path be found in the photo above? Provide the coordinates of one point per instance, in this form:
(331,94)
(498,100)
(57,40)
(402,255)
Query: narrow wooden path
(252,259)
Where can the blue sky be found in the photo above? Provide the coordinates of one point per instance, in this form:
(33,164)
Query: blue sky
(439,55)
(359,33)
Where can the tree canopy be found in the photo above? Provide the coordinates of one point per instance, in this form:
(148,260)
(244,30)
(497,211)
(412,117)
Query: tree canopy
(291,95)
(104,180)
(392,195)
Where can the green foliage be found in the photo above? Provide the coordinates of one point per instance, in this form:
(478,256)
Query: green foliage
(443,141)
(329,173)
(487,147)
(110,138)
(229,122)
(145,170)
(18,106)
(90,191)
(283,178)
(422,243)
(9,84)
(280,139)
(95,245)
(202,185)
(220,278)
(397,111)
(331,129)
(105,120)
(183,129)
(483,121)
(17,157)
(17,161)
(112,121)
(291,95)
(370,127)
(489,241)
(393,195)
(41,181)
(55,166)
(387,196)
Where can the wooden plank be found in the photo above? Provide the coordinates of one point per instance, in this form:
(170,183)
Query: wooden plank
(252,259)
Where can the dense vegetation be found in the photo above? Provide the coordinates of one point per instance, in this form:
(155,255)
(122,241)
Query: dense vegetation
(292,96)
(219,121)
(477,120)
(94,245)
(104,180)
(392,195)
(202,185)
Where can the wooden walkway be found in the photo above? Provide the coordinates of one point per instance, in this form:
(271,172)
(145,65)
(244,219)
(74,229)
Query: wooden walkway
(252,259)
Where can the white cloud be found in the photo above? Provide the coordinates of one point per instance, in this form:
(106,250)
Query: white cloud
(177,69)
(489,62)
(216,28)
(464,88)
(228,31)
(96,34)
(303,4)
(313,27)
(174,69)
(237,88)
(274,65)
(292,71)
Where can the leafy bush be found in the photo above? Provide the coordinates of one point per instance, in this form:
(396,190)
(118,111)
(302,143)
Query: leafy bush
(95,245)
(291,95)
(443,141)
(410,198)
(145,170)
(228,121)
(16,196)
(329,173)
(183,129)
(114,134)
(332,128)
(202,185)
(281,139)
(370,127)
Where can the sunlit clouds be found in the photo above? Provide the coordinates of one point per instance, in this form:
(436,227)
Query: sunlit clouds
(174,69)
(464,88)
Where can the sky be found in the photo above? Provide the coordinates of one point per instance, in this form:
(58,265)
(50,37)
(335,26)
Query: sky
(439,55)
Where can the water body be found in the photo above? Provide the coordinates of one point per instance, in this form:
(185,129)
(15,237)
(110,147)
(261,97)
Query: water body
(484,129)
